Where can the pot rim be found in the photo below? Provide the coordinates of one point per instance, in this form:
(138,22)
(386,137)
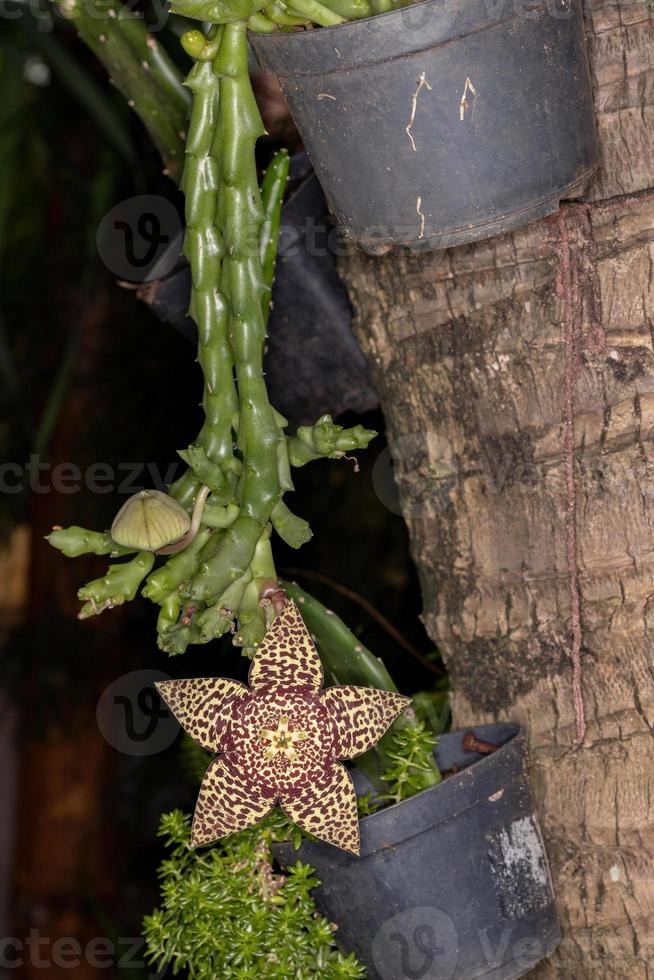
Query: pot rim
(480,760)
(379,827)
(377,39)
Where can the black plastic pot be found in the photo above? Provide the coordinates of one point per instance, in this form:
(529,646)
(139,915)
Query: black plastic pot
(443,122)
(452,884)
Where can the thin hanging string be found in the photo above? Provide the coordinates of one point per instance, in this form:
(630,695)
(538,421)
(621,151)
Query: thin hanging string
(569,286)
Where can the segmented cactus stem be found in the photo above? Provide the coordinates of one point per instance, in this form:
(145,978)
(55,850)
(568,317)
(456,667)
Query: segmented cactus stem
(140,67)
(239,467)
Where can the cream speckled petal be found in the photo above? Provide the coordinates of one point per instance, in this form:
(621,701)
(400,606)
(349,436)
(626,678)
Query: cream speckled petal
(328,810)
(361,715)
(226,804)
(287,655)
(203,706)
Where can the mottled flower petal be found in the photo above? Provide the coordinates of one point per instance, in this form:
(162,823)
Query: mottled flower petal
(287,656)
(203,707)
(226,804)
(360,715)
(328,810)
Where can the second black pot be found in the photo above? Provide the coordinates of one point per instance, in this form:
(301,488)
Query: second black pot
(443,122)
(452,884)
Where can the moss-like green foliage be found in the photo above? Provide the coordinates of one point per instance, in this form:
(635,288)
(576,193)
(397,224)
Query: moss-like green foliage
(411,755)
(226,912)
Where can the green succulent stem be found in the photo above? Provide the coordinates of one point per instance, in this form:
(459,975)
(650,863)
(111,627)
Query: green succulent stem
(171,606)
(140,68)
(177,570)
(218,618)
(313,10)
(240,464)
(349,9)
(75,541)
(185,489)
(280,17)
(207,472)
(240,213)
(240,126)
(216,11)
(251,621)
(326,439)
(272,196)
(204,248)
(220,517)
(294,530)
(260,24)
(154,55)
(230,561)
(119,584)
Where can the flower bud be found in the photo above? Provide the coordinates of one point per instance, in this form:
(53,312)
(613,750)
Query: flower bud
(149,520)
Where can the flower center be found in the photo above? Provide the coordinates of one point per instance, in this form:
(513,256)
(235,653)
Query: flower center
(281,740)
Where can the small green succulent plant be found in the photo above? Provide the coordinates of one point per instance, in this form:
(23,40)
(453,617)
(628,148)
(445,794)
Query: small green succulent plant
(228,912)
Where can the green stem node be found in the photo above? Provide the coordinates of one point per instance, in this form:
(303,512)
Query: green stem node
(326,439)
(295,531)
(314,11)
(75,541)
(177,570)
(119,585)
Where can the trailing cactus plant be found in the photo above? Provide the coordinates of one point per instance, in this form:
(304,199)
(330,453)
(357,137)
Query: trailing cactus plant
(215,526)
(222,576)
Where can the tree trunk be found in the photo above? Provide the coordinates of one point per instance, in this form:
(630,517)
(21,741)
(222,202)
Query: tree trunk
(517,378)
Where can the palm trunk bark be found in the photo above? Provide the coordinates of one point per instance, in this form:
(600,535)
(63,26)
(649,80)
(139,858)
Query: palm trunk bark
(517,379)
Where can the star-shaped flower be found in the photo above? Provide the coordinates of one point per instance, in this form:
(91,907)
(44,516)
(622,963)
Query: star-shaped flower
(280,740)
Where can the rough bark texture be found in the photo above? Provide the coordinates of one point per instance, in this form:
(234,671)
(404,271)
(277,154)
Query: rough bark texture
(487,358)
